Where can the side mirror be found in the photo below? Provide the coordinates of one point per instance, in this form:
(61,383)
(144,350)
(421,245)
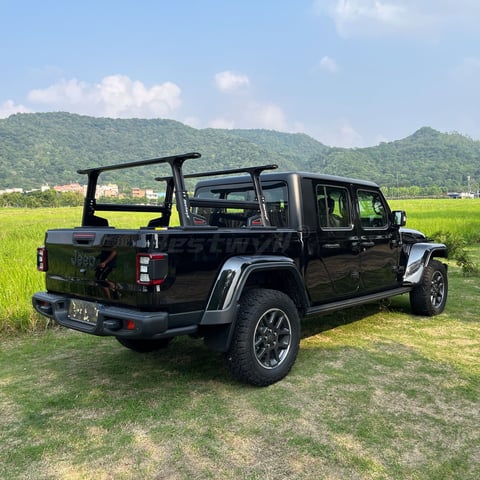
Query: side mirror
(399,218)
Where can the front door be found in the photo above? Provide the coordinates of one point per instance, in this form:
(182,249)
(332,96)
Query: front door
(379,242)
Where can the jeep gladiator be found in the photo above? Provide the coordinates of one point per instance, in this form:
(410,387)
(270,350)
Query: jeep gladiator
(254,252)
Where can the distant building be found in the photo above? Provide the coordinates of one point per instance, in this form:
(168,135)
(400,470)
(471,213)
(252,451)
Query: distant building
(110,190)
(138,193)
(461,195)
(11,190)
(72,187)
(151,195)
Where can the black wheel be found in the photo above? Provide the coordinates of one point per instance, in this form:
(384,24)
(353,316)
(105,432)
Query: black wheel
(266,337)
(144,346)
(430,295)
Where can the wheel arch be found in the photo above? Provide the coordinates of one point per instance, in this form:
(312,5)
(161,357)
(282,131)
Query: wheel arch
(239,274)
(418,259)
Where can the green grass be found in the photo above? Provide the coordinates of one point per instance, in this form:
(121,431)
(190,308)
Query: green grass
(22,231)
(376,393)
(459,217)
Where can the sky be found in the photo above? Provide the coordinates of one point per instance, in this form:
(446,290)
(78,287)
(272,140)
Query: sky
(349,73)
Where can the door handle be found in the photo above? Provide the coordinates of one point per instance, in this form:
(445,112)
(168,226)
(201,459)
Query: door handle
(331,245)
(367,244)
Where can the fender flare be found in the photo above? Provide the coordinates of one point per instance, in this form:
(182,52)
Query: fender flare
(222,305)
(418,258)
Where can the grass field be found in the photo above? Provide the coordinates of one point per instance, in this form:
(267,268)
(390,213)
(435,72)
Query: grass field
(23,231)
(458,217)
(376,393)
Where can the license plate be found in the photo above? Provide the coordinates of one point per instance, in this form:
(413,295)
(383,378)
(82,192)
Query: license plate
(83,311)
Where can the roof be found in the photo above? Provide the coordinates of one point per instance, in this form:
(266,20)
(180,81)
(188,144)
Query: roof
(288,175)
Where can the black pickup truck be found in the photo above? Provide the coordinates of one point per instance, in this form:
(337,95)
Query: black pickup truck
(254,252)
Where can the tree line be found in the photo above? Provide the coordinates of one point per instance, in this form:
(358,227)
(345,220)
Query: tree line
(38,199)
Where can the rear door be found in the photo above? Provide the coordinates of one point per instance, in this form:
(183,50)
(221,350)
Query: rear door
(332,269)
(379,241)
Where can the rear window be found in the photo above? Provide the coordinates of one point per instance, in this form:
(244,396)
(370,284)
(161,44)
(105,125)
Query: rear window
(276,200)
(333,207)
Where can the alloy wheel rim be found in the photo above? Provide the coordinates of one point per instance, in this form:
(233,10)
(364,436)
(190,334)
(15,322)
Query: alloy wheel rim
(272,338)
(438,289)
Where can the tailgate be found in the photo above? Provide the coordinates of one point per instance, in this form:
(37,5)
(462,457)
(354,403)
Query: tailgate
(96,264)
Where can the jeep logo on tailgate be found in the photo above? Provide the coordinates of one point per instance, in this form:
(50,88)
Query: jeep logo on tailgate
(82,260)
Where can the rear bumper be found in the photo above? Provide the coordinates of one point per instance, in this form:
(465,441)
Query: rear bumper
(111,321)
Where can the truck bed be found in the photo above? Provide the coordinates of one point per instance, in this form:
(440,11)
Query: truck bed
(99,264)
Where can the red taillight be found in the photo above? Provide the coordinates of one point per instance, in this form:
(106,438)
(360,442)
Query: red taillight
(42,259)
(152,268)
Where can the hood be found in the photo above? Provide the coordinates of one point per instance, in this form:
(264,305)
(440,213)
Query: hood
(409,235)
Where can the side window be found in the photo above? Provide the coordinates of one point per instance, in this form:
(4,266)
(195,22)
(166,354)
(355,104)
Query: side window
(373,213)
(333,207)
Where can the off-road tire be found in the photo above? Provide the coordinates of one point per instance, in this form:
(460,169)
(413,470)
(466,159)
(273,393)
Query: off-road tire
(430,295)
(144,346)
(266,337)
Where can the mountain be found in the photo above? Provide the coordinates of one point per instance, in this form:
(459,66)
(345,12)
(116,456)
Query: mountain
(49,148)
(425,158)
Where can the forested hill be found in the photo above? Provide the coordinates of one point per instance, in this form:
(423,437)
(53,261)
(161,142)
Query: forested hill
(41,148)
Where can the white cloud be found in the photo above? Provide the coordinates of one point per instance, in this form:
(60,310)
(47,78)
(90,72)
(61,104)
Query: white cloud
(348,136)
(246,112)
(64,92)
(221,122)
(228,81)
(192,121)
(372,17)
(115,96)
(339,133)
(328,65)
(427,18)
(268,116)
(253,115)
(380,138)
(8,108)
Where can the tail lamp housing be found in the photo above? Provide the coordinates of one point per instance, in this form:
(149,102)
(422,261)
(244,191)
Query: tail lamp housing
(42,259)
(152,268)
